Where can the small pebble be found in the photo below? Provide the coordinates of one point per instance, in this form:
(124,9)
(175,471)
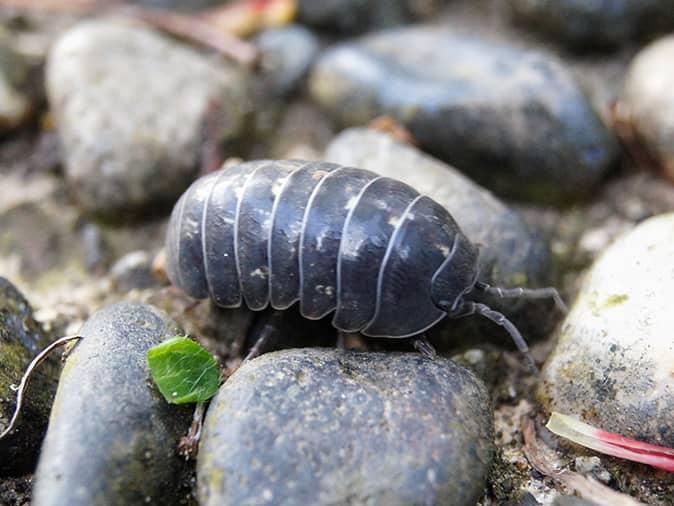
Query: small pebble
(287,53)
(646,107)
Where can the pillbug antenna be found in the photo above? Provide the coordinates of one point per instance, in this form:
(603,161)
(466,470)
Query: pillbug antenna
(470,308)
(523,293)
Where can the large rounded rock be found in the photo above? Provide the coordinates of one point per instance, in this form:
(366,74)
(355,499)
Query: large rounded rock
(130,107)
(322,427)
(613,363)
(511,254)
(646,107)
(514,120)
(112,437)
(21,338)
(587,25)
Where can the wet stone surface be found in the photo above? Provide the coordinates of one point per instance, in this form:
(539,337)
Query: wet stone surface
(613,362)
(646,107)
(107,415)
(320,427)
(511,253)
(20,340)
(122,154)
(512,119)
(583,25)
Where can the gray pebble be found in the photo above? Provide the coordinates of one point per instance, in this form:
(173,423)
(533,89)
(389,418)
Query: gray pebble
(647,102)
(612,365)
(131,106)
(590,25)
(514,120)
(21,338)
(287,53)
(133,271)
(112,437)
(511,253)
(320,427)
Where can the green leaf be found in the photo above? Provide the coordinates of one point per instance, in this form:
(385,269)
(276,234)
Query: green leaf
(184,370)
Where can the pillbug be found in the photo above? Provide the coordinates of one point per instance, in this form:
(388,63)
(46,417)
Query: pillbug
(387,261)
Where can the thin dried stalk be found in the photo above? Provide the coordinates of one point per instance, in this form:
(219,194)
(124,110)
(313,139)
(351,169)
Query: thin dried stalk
(199,31)
(39,358)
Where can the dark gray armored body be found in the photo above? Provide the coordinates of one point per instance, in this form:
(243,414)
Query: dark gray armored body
(388,261)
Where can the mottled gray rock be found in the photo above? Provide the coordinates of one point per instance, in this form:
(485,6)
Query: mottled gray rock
(613,363)
(112,437)
(646,106)
(514,120)
(511,254)
(21,338)
(286,53)
(588,25)
(130,107)
(322,427)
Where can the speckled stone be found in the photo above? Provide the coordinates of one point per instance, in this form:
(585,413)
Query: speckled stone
(112,437)
(512,119)
(286,55)
(320,427)
(130,106)
(613,363)
(647,102)
(21,338)
(511,254)
(584,25)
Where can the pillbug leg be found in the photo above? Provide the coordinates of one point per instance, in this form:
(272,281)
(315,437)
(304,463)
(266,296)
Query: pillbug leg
(269,328)
(525,293)
(422,345)
(470,308)
(341,340)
